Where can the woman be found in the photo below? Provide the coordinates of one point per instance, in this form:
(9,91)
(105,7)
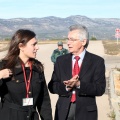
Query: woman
(22,83)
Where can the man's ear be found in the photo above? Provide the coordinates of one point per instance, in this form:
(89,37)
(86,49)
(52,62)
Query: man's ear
(84,42)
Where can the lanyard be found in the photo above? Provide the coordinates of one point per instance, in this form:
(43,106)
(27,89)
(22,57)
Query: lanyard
(27,82)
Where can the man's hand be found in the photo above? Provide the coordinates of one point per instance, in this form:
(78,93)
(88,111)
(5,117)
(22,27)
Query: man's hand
(73,82)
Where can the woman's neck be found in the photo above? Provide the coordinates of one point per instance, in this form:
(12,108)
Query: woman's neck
(25,61)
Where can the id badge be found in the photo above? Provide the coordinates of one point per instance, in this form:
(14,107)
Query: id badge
(27,101)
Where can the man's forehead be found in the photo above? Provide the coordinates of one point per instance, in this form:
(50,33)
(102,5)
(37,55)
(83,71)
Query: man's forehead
(74,33)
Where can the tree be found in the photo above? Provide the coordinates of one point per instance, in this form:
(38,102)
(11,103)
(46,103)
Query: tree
(93,38)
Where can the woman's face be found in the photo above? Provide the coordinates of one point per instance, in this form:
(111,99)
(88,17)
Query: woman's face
(29,50)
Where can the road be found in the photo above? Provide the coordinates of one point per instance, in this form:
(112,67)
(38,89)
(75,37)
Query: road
(96,47)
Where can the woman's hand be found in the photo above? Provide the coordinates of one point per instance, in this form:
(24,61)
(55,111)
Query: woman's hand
(5,73)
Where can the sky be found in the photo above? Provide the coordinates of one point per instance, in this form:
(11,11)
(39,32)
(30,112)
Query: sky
(59,8)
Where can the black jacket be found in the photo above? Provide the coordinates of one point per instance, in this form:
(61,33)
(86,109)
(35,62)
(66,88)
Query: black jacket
(92,84)
(13,90)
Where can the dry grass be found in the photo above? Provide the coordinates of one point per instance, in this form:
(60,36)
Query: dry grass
(4,44)
(111,115)
(111,47)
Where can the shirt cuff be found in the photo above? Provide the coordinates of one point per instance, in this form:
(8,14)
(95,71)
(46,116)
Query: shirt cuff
(67,88)
(78,87)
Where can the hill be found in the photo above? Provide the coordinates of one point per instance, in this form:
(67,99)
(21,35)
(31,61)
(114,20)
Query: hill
(55,27)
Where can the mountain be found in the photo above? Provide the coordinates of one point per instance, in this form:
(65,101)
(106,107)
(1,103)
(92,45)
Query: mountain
(56,28)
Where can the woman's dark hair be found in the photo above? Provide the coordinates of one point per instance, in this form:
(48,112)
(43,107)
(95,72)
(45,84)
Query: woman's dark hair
(20,36)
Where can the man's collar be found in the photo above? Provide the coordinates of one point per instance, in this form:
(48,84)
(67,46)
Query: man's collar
(81,55)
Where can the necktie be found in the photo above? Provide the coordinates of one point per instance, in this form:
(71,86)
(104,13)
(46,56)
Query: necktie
(75,72)
(76,66)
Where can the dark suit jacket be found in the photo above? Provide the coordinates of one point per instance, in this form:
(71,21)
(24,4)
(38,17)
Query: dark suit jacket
(92,84)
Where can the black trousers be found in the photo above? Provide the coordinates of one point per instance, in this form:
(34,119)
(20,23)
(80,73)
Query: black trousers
(71,114)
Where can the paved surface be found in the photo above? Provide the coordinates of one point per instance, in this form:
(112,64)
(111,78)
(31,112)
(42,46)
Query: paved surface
(95,47)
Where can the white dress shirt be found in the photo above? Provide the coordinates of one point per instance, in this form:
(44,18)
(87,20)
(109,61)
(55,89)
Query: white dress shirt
(79,62)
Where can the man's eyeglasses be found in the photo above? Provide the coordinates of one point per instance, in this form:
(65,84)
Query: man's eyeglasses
(71,40)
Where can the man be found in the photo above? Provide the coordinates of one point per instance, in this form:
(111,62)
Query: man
(58,52)
(78,78)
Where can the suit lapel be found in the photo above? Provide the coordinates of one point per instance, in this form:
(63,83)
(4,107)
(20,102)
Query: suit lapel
(68,66)
(86,64)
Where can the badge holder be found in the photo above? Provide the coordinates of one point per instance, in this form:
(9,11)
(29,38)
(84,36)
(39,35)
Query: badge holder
(27,101)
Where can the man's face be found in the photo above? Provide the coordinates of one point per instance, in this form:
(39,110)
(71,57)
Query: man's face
(60,47)
(75,45)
